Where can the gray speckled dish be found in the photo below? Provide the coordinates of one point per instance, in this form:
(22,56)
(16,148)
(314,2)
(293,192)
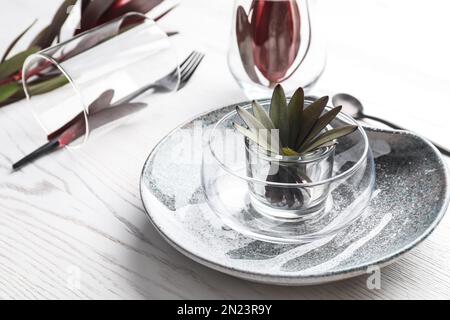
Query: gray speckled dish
(412,194)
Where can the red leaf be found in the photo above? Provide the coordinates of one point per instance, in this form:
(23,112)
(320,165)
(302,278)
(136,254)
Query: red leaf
(92,12)
(245,43)
(276,37)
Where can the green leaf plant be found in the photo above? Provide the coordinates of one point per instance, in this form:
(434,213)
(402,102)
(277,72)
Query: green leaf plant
(290,130)
(300,130)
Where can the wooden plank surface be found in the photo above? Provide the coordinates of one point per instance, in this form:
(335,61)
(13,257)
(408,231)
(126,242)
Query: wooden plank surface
(78,215)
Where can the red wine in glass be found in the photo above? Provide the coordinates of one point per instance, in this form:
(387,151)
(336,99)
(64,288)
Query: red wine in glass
(275,28)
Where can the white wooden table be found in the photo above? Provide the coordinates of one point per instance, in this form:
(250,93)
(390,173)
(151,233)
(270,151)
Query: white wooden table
(78,216)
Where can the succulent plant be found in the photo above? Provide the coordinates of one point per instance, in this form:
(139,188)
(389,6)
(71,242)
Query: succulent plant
(290,129)
(298,130)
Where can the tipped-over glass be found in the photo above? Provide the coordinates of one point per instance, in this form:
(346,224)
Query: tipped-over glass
(99,76)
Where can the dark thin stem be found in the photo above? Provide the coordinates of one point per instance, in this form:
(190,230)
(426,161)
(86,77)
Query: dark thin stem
(50,146)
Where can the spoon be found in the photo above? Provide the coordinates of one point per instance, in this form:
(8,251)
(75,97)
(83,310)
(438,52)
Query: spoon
(353,107)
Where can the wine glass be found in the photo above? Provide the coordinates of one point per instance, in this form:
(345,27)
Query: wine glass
(271,43)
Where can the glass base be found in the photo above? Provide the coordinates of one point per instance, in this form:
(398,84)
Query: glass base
(232,173)
(294,215)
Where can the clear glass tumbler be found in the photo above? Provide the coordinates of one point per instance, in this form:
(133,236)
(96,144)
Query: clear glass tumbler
(283,199)
(288,203)
(99,76)
(272,42)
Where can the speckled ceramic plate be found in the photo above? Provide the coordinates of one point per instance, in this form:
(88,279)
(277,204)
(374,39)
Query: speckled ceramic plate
(411,197)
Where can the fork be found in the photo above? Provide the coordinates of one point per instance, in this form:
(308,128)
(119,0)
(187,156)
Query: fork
(167,83)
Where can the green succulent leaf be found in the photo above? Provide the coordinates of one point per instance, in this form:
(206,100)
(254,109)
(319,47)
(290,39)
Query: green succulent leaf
(295,111)
(278,113)
(259,138)
(322,123)
(8,90)
(38,40)
(329,144)
(14,42)
(291,129)
(49,85)
(245,43)
(9,101)
(46,37)
(250,120)
(327,137)
(289,152)
(309,119)
(262,115)
(14,64)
